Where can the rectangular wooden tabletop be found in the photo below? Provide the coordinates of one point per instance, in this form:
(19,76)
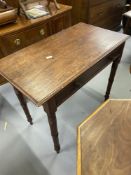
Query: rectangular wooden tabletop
(73,51)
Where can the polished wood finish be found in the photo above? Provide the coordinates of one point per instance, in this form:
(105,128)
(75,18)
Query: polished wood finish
(55,2)
(112,76)
(78,54)
(14,37)
(104,140)
(14,3)
(102,13)
(24,105)
(1,54)
(81,39)
(50,108)
(9,16)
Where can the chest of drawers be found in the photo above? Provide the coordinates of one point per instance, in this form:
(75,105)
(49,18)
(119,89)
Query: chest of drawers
(14,37)
(102,13)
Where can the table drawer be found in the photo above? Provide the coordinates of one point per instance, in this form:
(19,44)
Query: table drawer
(36,34)
(12,43)
(60,23)
(106,11)
(17,41)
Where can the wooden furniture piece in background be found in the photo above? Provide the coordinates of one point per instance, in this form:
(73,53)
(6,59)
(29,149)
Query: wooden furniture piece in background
(14,3)
(3,5)
(104,140)
(55,2)
(76,55)
(127,22)
(25,5)
(14,37)
(8,13)
(9,16)
(102,13)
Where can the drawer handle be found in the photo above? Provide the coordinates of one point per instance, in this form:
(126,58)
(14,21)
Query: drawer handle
(17,42)
(42,32)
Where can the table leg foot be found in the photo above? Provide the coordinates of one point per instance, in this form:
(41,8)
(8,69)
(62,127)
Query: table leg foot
(23,105)
(50,108)
(112,76)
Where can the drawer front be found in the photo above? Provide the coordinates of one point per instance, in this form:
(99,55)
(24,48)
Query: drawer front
(106,11)
(60,23)
(36,34)
(14,42)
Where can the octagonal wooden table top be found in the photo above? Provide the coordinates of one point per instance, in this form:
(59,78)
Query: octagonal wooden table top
(104,140)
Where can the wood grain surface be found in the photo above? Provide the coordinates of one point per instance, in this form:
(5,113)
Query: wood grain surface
(23,32)
(104,140)
(73,51)
(23,23)
(103,13)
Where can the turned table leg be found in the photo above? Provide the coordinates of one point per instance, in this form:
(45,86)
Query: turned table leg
(50,108)
(124,23)
(24,105)
(112,76)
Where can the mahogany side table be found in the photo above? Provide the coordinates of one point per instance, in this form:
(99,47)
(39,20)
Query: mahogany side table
(23,33)
(104,140)
(50,71)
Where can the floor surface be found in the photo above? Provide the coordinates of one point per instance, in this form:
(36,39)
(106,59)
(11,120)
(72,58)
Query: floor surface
(28,150)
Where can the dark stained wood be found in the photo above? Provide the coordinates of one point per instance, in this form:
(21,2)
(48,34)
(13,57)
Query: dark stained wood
(113,72)
(78,54)
(104,140)
(2,80)
(14,3)
(17,41)
(89,74)
(16,36)
(50,108)
(85,46)
(102,13)
(24,105)
(23,33)
(23,23)
(127,22)
(9,16)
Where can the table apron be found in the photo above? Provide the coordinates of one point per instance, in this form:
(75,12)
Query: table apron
(74,86)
